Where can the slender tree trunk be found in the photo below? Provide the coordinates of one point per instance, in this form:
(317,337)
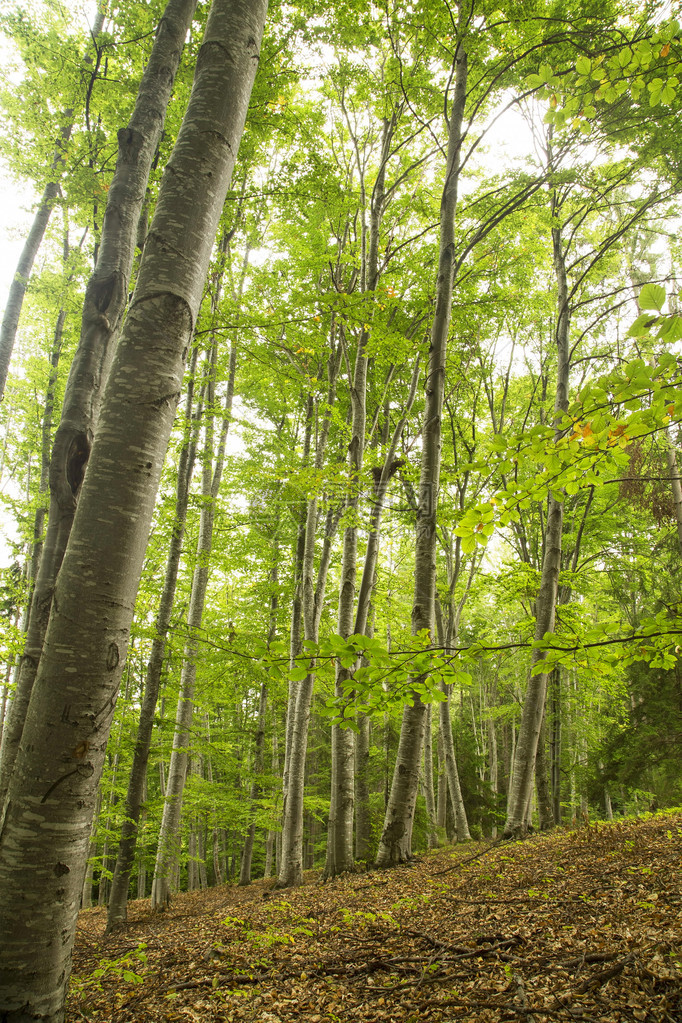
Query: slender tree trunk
(273,835)
(46,820)
(46,447)
(17,290)
(298,717)
(141,860)
(395,843)
(493,768)
(340,832)
(534,703)
(454,787)
(170,833)
(428,781)
(676,485)
(105,301)
(256,787)
(118,901)
(442,806)
(215,831)
(363,816)
(259,757)
(247,852)
(296,636)
(341,814)
(544,799)
(555,744)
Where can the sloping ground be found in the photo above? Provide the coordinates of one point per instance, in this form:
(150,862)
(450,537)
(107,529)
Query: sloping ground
(582,925)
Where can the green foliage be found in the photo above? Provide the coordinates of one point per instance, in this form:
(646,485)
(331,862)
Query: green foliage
(121,969)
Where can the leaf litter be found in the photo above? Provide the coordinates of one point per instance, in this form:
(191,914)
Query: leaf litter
(572,925)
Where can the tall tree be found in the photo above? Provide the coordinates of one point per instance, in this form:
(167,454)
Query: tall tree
(46,822)
(395,843)
(17,291)
(105,301)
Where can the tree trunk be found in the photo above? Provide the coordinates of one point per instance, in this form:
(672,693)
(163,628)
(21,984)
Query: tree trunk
(118,900)
(429,794)
(675,484)
(46,446)
(47,816)
(534,703)
(141,860)
(493,769)
(454,787)
(256,787)
(545,808)
(341,813)
(301,694)
(105,301)
(363,816)
(555,744)
(442,804)
(170,833)
(394,846)
(17,290)
(86,894)
(247,852)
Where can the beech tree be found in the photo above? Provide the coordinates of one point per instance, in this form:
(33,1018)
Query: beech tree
(70,723)
(104,305)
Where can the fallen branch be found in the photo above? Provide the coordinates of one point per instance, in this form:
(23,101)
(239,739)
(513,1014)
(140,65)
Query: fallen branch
(470,859)
(521,997)
(597,979)
(469,1003)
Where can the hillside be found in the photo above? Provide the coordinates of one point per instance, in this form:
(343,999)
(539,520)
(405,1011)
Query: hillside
(581,925)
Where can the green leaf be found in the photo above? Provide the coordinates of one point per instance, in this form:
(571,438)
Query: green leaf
(652,296)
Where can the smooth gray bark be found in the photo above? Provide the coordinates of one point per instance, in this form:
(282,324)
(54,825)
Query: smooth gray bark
(340,831)
(395,843)
(117,911)
(454,613)
(104,304)
(45,827)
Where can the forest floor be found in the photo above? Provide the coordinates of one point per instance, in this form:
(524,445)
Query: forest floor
(574,925)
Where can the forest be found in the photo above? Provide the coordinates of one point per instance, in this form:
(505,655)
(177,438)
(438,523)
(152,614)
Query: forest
(340,472)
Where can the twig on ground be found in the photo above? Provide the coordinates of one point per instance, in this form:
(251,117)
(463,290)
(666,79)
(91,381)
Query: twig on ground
(470,859)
